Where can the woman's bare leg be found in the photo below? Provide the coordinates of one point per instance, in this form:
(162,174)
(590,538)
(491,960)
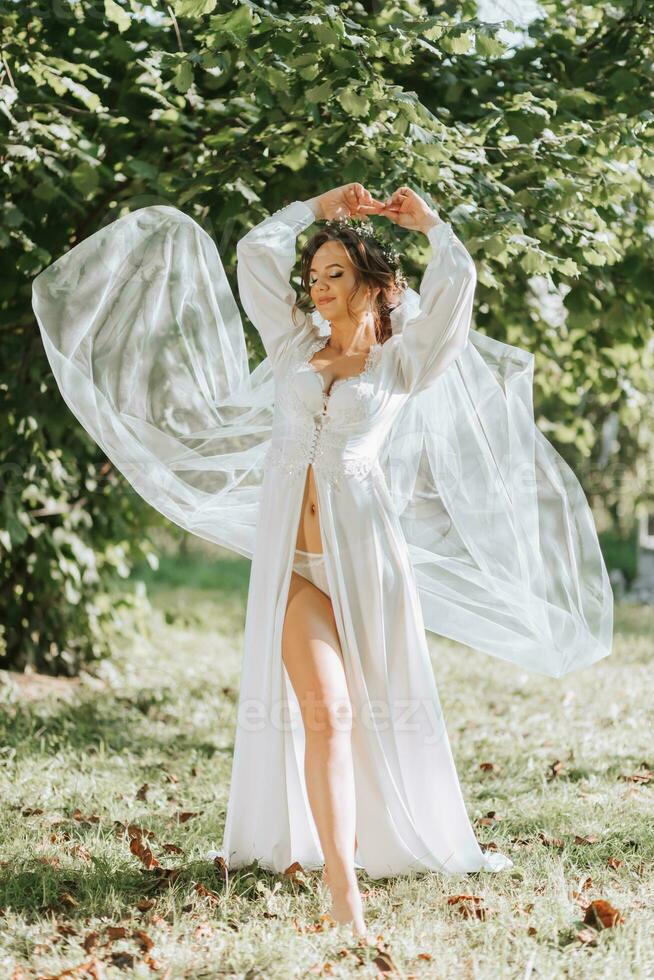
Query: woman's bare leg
(313,659)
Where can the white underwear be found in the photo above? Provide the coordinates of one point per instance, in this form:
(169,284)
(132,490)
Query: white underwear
(311,565)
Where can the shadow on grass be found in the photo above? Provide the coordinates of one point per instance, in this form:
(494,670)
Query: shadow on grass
(105,889)
(112,724)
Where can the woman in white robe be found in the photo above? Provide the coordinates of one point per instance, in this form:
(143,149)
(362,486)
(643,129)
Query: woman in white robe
(146,345)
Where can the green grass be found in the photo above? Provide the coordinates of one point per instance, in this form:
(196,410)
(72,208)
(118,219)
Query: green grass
(162,713)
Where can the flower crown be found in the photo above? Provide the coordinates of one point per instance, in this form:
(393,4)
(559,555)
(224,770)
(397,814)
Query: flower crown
(366,230)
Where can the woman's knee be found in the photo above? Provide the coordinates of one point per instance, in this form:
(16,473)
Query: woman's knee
(326,718)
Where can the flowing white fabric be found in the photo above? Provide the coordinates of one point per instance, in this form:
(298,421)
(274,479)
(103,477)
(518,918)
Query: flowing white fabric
(441,504)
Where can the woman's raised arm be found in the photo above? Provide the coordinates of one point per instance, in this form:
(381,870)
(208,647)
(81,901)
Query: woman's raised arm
(266,255)
(435,337)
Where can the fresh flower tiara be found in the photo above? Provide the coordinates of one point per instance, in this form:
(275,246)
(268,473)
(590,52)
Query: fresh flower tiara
(365,229)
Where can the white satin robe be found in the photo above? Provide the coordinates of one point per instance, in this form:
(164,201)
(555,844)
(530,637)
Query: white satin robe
(411,815)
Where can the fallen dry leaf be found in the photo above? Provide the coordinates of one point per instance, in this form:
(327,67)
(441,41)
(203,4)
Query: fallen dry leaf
(205,892)
(145,904)
(67,899)
(469,906)
(489,767)
(172,849)
(295,873)
(614,863)
(221,867)
(185,815)
(492,817)
(551,841)
(83,818)
(146,942)
(140,849)
(78,850)
(602,915)
(556,769)
(116,932)
(142,793)
(385,963)
(90,941)
(645,776)
(589,839)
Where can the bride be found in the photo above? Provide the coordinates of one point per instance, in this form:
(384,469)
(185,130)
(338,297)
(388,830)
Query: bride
(382,469)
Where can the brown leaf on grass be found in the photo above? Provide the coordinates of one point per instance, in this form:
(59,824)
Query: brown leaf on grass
(524,909)
(133,830)
(324,922)
(295,873)
(30,811)
(90,941)
(492,817)
(645,775)
(65,898)
(184,815)
(221,868)
(145,904)
(172,849)
(116,932)
(614,863)
(556,769)
(93,969)
(385,962)
(155,965)
(66,930)
(59,838)
(602,915)
(551,841)
(425,956)
(140,849)
(165,877)
(142,793)
(145,942)
(582,900)
(78,850)
(589,839)
(52,862)
(170,776)
(489,767)
(532,931)
(469,906)
(83,818)
(205,892)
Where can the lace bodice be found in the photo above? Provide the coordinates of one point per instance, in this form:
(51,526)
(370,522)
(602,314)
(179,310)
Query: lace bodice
(336,432)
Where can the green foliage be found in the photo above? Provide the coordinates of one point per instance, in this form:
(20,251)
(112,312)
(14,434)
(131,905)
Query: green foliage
(542,158)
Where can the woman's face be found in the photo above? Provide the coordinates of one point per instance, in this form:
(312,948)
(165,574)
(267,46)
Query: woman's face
(331,279)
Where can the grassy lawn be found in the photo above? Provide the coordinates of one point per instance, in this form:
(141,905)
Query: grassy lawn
(556,774)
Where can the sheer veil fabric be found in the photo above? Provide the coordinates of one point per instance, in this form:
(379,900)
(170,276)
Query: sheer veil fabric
(147,345)
(440,503)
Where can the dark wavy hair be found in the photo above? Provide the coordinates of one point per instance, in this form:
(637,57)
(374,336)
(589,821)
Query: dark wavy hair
(371,267)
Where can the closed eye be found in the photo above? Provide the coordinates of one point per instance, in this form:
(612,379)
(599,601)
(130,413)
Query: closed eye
(336,275)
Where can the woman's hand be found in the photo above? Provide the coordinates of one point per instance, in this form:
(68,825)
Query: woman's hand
(406,208)
(349,200)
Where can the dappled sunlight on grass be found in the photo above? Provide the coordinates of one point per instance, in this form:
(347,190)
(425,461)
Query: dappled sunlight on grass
(554,773)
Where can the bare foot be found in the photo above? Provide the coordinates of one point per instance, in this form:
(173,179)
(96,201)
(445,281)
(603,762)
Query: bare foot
(347,906)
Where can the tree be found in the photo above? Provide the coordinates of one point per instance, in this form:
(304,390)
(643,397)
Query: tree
(541,158)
